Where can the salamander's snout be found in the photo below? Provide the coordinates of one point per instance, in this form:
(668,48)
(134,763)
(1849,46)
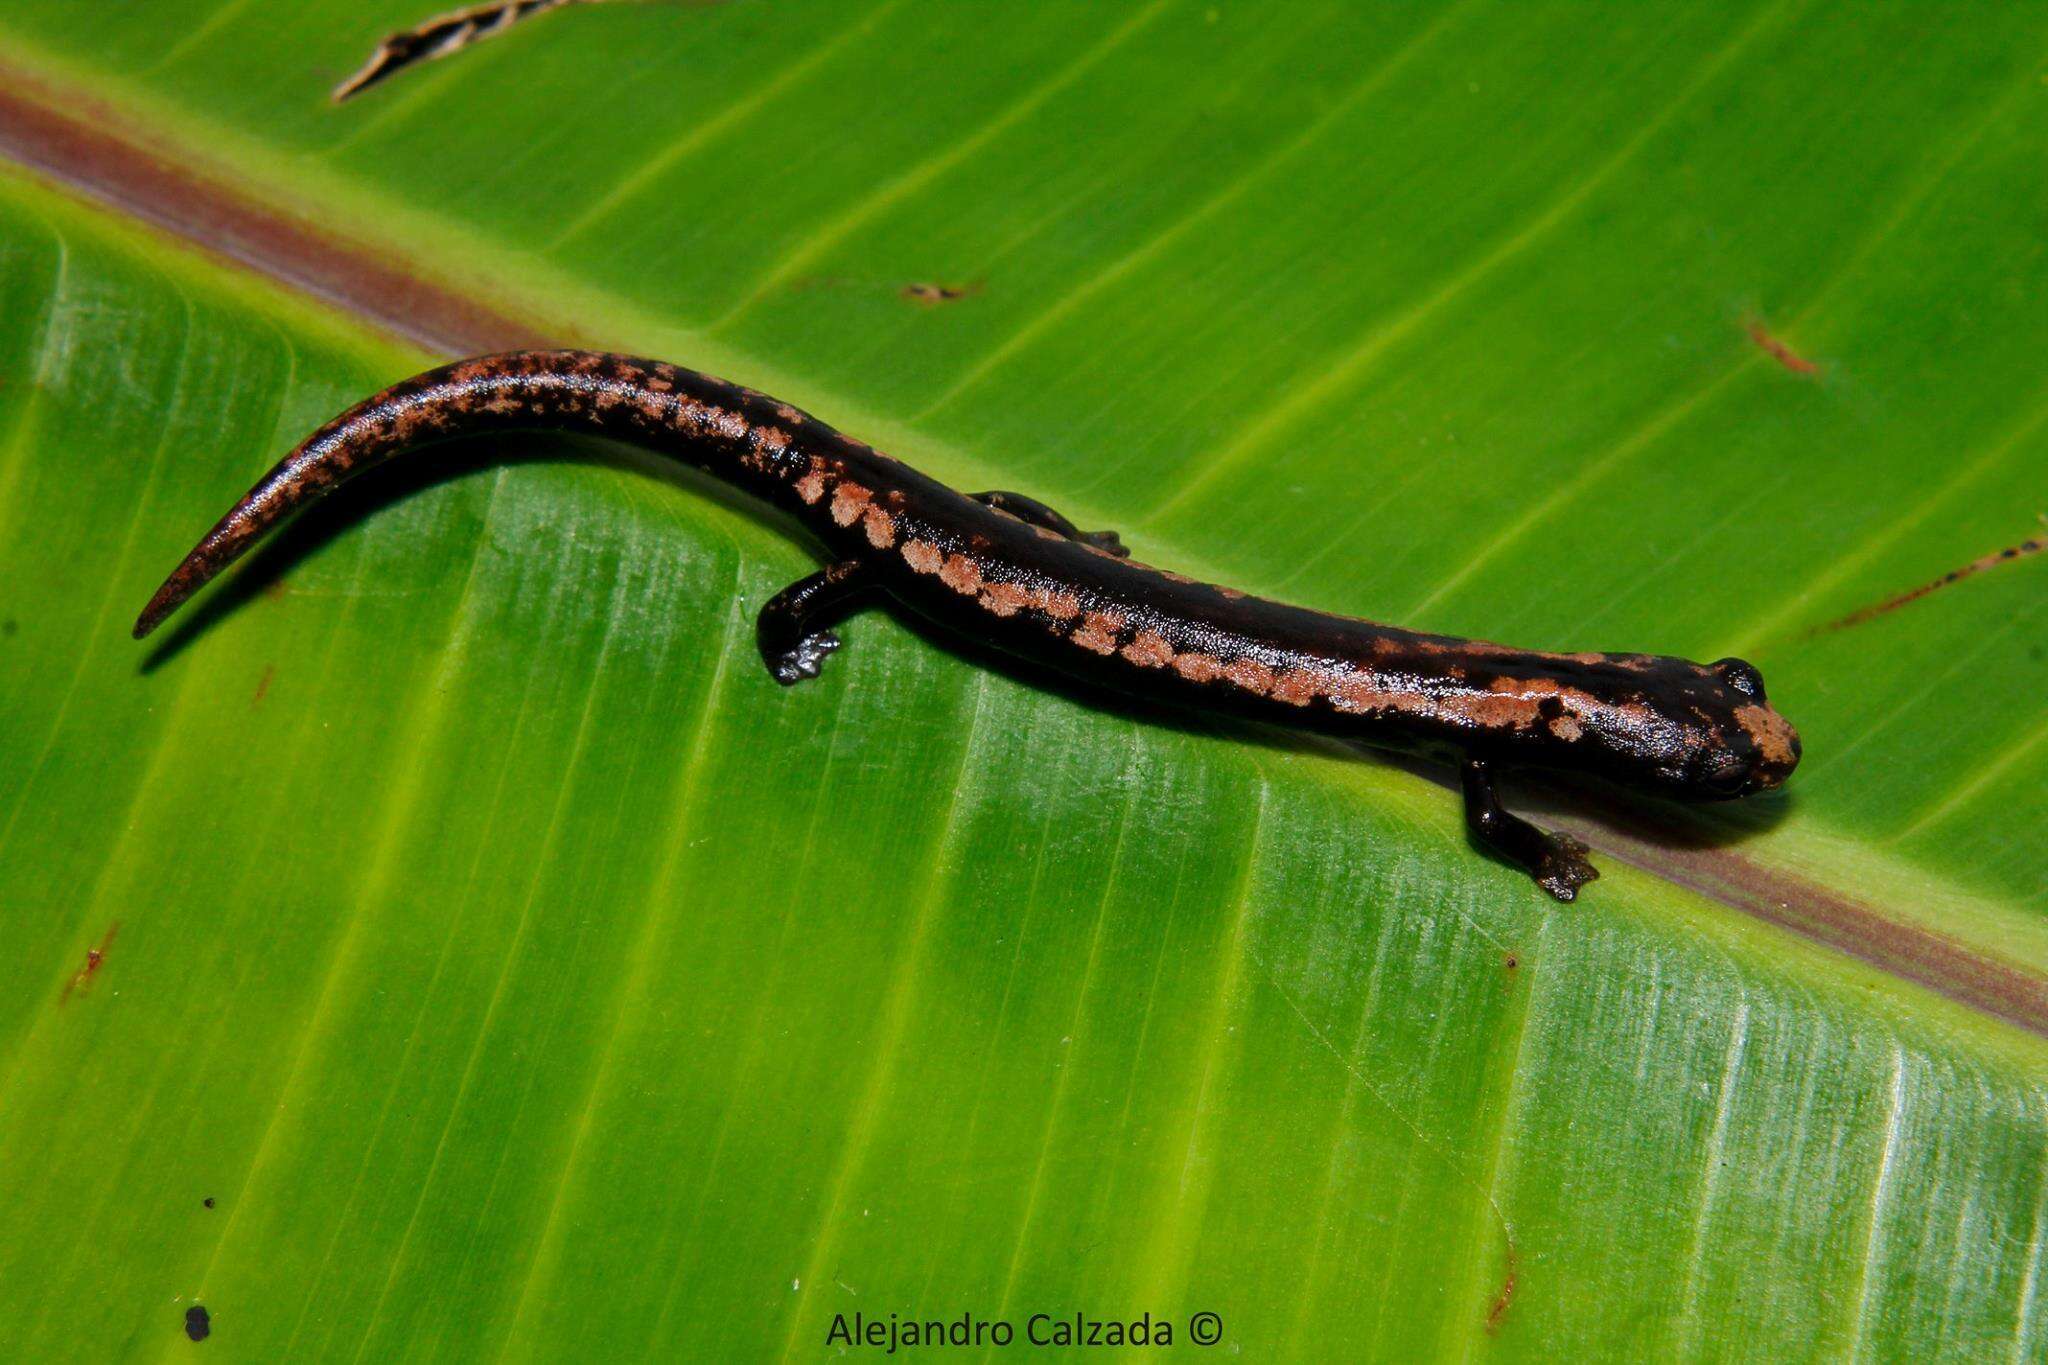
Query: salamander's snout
(1776,747)
(1773,743)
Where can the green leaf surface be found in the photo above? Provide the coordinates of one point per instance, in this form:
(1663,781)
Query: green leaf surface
(519,971)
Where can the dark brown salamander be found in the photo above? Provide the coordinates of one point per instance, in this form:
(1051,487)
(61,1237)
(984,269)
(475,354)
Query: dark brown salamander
(1012,571)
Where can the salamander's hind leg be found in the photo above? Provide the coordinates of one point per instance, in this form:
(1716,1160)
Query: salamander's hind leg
(1038,514)
(793,629)
(1557,861)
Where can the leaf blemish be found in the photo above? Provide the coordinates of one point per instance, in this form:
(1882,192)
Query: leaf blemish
(1777,350)
(2022,550)
(1506,1296)
(441,35)
(928,294)
(94,957)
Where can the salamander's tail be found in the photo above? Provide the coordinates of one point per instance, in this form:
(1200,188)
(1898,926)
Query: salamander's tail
(361,437)
(471,395)
(735,433)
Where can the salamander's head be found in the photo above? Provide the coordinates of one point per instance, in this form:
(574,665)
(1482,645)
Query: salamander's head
(1699,732)
(1733,743)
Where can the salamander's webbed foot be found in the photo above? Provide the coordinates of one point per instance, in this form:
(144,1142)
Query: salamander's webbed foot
(793,632)
(1557,861)
(1564,867)
(1036,513)
(802,660)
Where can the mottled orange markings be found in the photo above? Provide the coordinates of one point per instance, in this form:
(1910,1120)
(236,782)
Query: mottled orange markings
(961,574)
(849,501)
(1297,687)
(1250,674)
(1148,649)
(1062,606)
(1770,733)
(1004,599)
(1098,632)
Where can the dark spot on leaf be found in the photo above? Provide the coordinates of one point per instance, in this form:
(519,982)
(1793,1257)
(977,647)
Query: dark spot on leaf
(439,36)
(208,1201)
(930,294)
(8,627)
(1778,350)
(1506,1296)
(1974,567)
(82,978)
(263,685)
(198,1325)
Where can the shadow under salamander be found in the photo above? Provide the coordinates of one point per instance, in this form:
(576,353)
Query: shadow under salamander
(1548,795)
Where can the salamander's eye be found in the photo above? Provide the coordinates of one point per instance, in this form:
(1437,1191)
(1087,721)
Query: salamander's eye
(1741,675)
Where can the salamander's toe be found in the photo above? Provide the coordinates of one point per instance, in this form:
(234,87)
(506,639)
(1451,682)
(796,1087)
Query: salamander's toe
(1565,868)
(804,661)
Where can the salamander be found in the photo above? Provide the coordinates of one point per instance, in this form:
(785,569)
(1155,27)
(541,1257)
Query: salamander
(1010,571)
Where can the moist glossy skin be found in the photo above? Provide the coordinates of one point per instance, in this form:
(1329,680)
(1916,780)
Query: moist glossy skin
(1007,570)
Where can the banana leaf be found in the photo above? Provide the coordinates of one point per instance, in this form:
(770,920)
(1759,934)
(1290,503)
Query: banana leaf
(449,943)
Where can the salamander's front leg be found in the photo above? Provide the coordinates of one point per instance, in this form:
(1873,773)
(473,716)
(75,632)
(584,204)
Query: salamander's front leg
(792,630)
(1038,514)
(1557,861)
